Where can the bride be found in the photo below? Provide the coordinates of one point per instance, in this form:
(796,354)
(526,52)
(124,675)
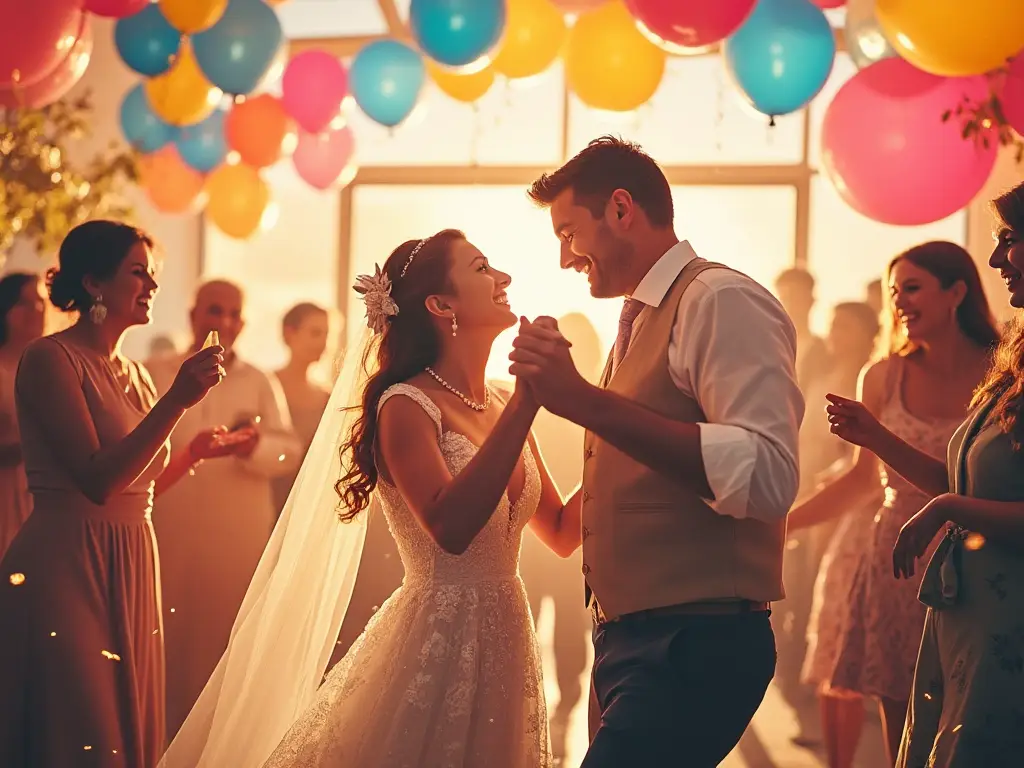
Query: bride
(447,672)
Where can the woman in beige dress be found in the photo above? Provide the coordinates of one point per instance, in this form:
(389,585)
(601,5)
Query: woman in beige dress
(22,320)
(81,652)
(942,335)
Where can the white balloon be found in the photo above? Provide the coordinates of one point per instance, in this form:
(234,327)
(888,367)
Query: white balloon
(865,41)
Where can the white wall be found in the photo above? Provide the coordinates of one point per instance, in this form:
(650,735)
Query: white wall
(179,236)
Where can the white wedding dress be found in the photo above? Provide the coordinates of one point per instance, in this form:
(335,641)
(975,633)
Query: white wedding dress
(447,672)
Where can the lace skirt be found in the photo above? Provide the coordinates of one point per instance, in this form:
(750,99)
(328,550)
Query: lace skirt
(444,675)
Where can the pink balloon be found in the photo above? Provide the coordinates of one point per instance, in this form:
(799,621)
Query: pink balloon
(115,9)
(327,159)
(1013,95)
(59,81)
(578,6)
(312,89)
(689,24)
(890,155)
(35,38)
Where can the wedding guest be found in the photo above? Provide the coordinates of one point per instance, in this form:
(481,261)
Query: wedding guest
(22,320)
(968,697)
(304,328)
(940,335)
(81,652)
(214,525)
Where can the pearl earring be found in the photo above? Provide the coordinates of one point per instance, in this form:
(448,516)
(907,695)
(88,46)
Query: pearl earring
(455,326)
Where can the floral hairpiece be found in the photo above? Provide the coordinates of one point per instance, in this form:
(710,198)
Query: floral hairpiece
(376,293)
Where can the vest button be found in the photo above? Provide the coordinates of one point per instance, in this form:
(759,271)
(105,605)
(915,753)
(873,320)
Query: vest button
(586,569)
(586,532)
(589,454)
(586,496)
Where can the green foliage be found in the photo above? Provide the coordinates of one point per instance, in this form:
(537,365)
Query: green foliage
(42,195)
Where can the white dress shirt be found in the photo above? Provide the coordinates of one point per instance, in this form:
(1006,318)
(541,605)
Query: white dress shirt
(733,350)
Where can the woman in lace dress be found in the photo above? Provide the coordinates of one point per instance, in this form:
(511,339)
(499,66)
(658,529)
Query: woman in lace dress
(967,707)
(447,672)
(941,335)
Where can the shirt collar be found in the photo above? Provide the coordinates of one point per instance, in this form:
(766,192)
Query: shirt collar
(659,278)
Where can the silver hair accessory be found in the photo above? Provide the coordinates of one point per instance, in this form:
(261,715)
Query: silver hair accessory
(412,255)
(376,293)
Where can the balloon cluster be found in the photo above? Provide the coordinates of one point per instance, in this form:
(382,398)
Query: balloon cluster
(207,126)
(203,121)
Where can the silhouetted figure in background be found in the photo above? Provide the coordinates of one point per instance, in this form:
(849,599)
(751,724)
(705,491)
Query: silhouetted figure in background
(546,574)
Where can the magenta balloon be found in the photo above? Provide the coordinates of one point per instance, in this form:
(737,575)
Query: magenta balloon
(59,81)
(34,38)
(115,9)
(1013,95)
(890,155)
(322,160)
(313,87)
(689,24)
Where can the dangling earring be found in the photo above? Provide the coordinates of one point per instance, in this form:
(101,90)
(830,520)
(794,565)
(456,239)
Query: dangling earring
(98,311)
(455,326)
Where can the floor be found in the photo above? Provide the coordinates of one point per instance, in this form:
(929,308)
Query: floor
(766,743)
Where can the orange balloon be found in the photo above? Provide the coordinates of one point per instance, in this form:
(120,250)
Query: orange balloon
(238,200)
(183,95)
(171,185)
(461,87)
(534,34)
(257,128)
(609,64)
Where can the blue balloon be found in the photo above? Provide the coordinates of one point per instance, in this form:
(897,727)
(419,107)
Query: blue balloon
(146,41)
(782,55)
(386,78)
(457,32)
(140,124)
(236,53)
(204,146)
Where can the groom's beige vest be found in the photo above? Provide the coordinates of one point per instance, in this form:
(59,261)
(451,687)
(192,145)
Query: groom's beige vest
(647,541)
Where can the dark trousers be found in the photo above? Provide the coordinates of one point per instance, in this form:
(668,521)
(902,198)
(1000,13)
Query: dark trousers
(678,690)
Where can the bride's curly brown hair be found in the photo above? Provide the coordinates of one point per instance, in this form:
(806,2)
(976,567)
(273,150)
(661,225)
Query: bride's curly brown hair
(1004,381)
(408,344)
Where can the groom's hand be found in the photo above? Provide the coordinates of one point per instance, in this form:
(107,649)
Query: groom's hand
(540,355)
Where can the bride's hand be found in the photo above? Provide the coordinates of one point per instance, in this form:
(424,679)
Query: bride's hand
(523,395)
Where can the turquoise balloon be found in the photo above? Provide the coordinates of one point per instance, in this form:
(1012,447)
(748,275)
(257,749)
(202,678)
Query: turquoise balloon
(140,125)
(146,41)
(236,53)
(781,56)
(386,78)
(204,146)
(457,32)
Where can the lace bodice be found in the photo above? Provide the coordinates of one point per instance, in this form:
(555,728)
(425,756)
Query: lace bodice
(931,436)
(494,553)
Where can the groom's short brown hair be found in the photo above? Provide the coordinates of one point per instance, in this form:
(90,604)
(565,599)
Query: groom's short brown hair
(604,165)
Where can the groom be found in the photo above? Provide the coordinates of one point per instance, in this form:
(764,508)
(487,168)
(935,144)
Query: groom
(690,465)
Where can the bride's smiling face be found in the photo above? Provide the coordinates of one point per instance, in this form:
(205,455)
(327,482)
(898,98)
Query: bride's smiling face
(478,297)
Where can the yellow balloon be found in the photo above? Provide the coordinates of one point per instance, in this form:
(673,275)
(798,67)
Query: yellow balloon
(954,38)
(238,199)
(182,95)
(461,87)
(609,64)
(190,16)
(534,34)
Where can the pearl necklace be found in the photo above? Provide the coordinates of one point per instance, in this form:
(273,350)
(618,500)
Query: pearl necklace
(467,400)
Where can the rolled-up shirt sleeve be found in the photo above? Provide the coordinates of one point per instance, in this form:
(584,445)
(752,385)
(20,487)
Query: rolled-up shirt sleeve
(733,349)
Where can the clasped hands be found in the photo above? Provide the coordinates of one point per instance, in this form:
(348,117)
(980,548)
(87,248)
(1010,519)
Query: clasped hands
(541,360)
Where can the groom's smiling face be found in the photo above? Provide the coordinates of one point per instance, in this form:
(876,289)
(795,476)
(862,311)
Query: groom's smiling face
(594,240)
